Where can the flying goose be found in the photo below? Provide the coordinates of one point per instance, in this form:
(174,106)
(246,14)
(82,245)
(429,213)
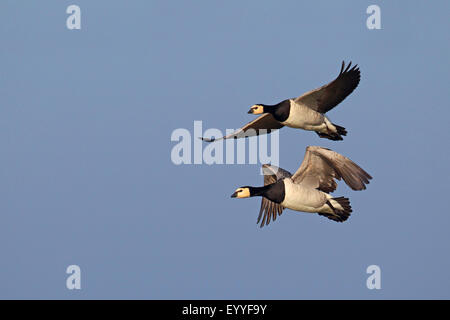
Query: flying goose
(306,112)
(308,189)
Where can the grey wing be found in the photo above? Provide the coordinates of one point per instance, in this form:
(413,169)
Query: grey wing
(270,209)
(261,125)
(330,95)
(322,166)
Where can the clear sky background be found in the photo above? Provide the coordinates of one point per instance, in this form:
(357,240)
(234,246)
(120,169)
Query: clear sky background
(86,176)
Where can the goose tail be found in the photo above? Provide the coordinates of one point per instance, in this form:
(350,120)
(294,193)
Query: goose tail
(340,130)
(340,207)
(333,135)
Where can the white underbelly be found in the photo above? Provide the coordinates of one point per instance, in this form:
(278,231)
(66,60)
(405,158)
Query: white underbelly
(301,198)
(298,206)
(304,118)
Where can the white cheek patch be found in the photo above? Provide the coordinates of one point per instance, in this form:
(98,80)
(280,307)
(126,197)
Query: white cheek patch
(245,193)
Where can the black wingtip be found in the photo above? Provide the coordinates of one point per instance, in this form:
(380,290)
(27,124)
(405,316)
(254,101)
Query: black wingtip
(207,139)
(348,66)
(346,69)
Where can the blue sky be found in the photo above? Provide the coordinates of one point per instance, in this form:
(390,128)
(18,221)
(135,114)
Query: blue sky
(86,175)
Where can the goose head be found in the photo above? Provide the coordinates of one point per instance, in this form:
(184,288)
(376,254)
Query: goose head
(257,109)
(242,192)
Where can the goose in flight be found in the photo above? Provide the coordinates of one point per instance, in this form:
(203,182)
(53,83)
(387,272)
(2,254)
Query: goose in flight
(308,189)
(306,112)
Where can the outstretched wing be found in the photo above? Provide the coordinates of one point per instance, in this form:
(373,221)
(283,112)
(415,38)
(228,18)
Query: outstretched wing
(321,166)
(330,95)
(261,125)
(270,209)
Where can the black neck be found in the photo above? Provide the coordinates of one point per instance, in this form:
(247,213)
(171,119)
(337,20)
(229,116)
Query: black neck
(280,111)
(259,191)
(274,192)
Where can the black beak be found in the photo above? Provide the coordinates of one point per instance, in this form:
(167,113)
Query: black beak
(250,111)
(234,195)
